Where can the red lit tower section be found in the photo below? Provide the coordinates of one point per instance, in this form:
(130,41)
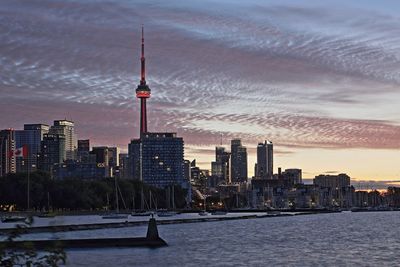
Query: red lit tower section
(143,92)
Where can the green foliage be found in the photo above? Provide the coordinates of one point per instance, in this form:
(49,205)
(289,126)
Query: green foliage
(28,256)
(78,194)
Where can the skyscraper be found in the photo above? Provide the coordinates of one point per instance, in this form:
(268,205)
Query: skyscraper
(264,169)
(220,168)
(52,151)
(83,150)
(238,161)
(31,136)
(66,128)
(7,145)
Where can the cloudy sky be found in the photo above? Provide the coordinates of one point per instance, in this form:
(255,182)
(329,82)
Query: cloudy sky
(321,79)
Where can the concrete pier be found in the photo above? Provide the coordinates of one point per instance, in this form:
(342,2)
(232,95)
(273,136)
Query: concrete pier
(152,240)
(93,226)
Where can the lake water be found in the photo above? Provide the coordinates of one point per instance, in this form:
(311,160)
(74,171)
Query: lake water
(338,239)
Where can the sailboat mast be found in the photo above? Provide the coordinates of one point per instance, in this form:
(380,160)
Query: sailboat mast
(108,202)
(48,201)
(116,194)
(173,198)
(150,200)
(133,200)
(142,200)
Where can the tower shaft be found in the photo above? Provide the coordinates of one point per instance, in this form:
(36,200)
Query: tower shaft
(143,116)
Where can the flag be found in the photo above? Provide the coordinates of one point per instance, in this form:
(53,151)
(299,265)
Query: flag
(20,152)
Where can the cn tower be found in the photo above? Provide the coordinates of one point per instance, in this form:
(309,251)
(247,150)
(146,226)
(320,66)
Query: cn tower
(143,91)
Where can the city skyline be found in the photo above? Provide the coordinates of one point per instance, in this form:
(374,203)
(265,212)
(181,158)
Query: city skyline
(262,79)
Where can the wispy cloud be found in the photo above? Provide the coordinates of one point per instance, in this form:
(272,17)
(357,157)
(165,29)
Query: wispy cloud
(321,76)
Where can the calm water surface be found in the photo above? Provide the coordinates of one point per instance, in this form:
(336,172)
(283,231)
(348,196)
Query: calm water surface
(343,239)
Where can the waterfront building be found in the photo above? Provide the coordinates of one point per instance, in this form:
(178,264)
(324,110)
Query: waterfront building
(52,151)
(67,129)
(7,146)
(332,181)
(238,161)
(292,177)
(31,137)
(229,190)
(264,168)
(393,196)
(335,190)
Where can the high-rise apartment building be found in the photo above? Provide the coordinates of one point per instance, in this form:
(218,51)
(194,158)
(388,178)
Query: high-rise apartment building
(157,159)
(162,159)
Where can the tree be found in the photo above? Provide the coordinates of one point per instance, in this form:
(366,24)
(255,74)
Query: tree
(28,256)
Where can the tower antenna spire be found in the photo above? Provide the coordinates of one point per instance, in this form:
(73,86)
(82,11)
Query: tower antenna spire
(143,62)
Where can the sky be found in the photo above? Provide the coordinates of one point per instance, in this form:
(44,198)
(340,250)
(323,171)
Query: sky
(320,79)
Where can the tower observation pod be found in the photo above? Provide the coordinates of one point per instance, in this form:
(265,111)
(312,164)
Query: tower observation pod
(143,91)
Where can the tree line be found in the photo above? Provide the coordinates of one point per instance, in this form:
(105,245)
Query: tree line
(83,195)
